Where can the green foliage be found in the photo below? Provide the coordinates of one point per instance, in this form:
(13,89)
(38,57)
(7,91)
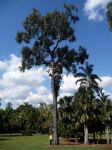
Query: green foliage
(109,15)
(45,118)
(66,120)
(88,79)
(71,112)
(105,105)
(84,108)
(26,119)
(47,33)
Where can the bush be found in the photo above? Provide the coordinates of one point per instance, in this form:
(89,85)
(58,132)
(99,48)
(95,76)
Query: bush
(28,132)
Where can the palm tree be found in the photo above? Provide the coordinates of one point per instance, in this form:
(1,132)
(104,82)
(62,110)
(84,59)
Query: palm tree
(88,85)
(7,116)
(84,110)
(106,111)
(87,78)
(45,118)
(65,107)
(65,112)
(25,117)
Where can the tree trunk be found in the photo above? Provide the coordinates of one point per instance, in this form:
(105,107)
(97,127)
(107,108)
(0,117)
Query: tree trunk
(85,133)
(54,111)
(111,137)
(97,139)
(94,137)
(107,132)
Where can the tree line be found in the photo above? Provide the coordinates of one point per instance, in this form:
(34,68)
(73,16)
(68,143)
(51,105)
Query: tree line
(77,117)
(25,119)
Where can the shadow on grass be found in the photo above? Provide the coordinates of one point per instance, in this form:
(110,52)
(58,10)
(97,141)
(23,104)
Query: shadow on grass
(4,139)
(10,135)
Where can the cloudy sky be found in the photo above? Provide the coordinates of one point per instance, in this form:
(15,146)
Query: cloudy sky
(33,86)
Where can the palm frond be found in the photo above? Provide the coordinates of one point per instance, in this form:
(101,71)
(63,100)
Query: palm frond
(80,74)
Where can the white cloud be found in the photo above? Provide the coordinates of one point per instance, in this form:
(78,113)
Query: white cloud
(37,98)
(33,85)
(69,84)
(30,86)
(95,9)
(18,87)
(29,77)
(69,87)
(106,81)
(3,66)
(19,92)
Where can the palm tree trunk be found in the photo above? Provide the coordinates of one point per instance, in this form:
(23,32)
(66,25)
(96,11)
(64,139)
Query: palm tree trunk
(54,111)
(111,136)
(85,133)
(107,132)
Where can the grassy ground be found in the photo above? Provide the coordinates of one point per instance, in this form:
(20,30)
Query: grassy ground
(41,142)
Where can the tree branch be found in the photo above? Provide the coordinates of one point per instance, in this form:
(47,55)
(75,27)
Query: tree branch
(56,45)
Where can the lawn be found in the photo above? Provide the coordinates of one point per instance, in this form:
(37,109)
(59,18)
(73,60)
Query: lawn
(41,142)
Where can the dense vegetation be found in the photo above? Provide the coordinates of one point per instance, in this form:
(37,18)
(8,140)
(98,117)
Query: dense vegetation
(87,112)
(27,119)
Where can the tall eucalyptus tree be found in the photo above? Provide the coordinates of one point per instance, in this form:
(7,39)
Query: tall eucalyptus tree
(46,36)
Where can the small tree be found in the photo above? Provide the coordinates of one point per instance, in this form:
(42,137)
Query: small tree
(48,34)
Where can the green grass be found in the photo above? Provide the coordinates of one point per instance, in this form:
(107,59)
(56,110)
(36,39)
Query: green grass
(39,142)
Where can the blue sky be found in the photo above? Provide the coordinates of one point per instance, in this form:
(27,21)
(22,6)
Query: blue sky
(91,31)
(94,35)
